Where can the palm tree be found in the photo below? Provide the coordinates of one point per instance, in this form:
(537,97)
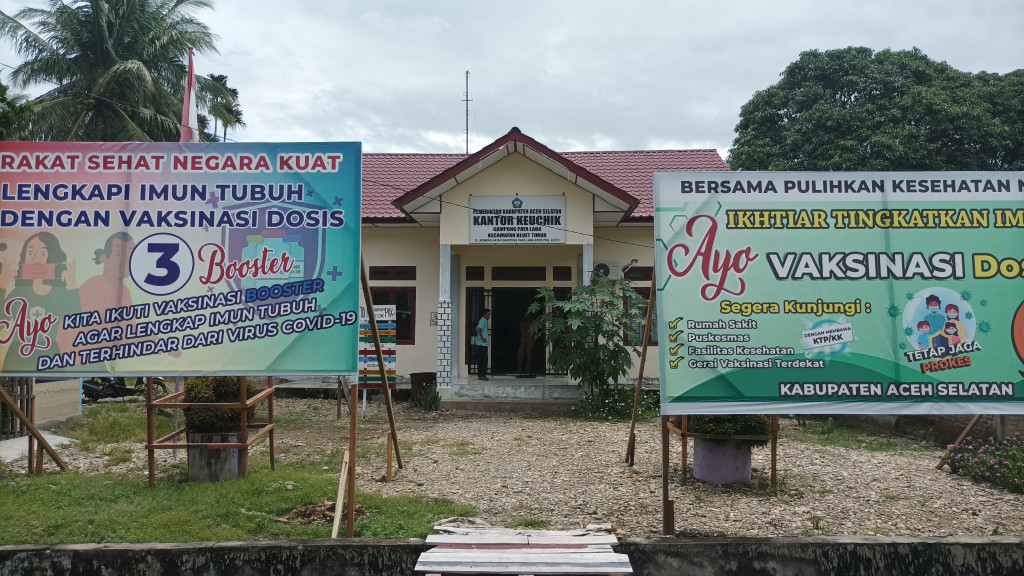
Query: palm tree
(234,119)
(224,104)
(119,66)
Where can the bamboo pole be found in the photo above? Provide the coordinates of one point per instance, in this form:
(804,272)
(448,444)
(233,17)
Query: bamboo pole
(6,399)
(631,444)
(342,483)
(775,449)
(684,427)
(245,428)
(668,520)
(28,387)
(150,433)
(387,474)
(351,521)
(367,297)
(270,418)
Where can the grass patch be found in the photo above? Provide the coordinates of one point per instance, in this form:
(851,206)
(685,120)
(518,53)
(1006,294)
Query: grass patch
(463,448)
(71,507)
(405,516)
(116,454)
(824,434)
(615,404)
(75,508)
(529,522)
(113,423)
(763,488)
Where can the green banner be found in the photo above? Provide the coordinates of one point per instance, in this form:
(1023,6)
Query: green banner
(885,293)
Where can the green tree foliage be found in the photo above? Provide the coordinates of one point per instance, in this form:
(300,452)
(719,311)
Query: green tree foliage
(855,109)
(118,66)
(15,116)
(225,108)
(585,333)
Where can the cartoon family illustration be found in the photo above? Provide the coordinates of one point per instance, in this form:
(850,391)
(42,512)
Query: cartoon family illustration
(940,328)
(43,286)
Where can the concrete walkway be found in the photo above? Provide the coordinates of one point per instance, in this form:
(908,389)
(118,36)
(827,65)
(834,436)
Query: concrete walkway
(17,448)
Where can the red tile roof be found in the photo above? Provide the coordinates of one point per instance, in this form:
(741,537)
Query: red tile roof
(386,177)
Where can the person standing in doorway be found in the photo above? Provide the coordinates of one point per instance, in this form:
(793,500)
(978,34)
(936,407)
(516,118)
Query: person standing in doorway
(524,358)
(481,341)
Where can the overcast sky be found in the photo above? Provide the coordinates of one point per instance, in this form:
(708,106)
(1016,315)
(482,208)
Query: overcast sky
(576,75)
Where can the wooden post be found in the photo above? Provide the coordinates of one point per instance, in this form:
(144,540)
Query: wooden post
(631,444)
(684,428)
(39,460)
(174,425)
(150,433)
(342,483)
(368,298)
(775,448)
(668,521)
(338,416)
(270,419)
(351,521)
(27,386)
(6,399)
(244,464)
(1002,426)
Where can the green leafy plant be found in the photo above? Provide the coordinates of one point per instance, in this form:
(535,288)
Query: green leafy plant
(429,400)
(732,425)
(990,460)
(586,332)
(208,389)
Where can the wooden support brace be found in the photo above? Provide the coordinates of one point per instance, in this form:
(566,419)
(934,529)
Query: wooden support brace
(43,444)
(367,297)
(945,457)
(387,475)
(631,443)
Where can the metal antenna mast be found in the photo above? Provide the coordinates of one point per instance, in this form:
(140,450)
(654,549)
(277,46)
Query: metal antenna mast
(467,100)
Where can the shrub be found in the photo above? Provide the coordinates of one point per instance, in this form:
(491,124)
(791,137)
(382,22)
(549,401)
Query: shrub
(204,419)
(732,425)
(616,403)
(989,460)
(429,400)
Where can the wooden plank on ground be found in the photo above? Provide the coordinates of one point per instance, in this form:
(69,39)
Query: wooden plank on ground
(514,538)
(426,566)
(497,550)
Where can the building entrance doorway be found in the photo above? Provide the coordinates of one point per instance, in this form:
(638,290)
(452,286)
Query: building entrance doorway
(508,306)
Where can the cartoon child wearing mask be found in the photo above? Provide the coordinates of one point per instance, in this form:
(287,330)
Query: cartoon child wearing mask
(953,317)
(950,331)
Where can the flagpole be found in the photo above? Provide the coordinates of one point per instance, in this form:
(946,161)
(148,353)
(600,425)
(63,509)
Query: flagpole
(189,111)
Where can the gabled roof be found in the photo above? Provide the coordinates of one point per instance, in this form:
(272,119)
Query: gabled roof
(396,184)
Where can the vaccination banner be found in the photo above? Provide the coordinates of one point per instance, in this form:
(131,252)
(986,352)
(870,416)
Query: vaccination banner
(179,259)
(885,293)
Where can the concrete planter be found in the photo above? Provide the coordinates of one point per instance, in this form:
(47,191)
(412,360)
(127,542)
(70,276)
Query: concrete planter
(721,461)
(213,465)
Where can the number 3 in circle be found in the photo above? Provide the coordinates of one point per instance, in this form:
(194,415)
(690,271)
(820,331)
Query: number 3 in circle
(161,264)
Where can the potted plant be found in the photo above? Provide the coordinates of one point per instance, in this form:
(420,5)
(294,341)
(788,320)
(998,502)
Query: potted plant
(212,425)
(722,445)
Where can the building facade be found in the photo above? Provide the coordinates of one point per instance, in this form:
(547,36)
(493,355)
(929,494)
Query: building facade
(447,235)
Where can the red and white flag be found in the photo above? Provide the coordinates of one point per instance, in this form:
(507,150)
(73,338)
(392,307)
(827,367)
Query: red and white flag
(189,112)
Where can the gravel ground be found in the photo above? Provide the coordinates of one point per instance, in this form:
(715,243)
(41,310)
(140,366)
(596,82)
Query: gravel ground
(567,474)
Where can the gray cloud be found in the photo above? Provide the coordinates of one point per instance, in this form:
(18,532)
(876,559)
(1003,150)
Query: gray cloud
(576,74)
